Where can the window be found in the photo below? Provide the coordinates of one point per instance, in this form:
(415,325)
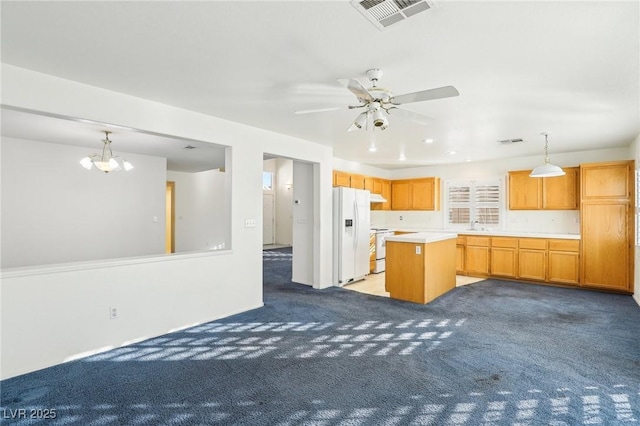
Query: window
(267,181)
(469,201)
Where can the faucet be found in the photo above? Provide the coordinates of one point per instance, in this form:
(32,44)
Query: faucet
(473,224)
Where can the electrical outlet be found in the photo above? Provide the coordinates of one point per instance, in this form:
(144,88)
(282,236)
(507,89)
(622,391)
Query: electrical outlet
(113,312)
(418,250)
(401,218)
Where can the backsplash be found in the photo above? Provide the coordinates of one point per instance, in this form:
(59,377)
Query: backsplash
(551,221)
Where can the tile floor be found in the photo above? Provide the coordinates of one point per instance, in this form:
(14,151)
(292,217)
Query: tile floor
(374,284)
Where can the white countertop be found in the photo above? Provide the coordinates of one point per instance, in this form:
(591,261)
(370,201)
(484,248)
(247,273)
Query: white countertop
(422,237)
(521,234)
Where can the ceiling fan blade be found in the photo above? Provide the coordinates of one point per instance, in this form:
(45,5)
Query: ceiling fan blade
(426,95)
(410,115)
(356,88)
(309,111)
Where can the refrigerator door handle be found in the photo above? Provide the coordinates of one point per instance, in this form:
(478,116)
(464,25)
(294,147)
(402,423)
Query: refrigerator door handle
(356,225)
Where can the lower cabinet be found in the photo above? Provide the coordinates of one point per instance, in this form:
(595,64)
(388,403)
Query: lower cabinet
(477,255)
(564,261)
(504,257)
(532,259)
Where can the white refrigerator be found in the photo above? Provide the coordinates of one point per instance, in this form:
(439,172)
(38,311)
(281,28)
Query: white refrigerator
(351,220)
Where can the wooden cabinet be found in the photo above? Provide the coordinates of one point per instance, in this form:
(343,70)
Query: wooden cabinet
(532,259)
(420,272)
(561,192)
(357,181)
(385,191)
(607,225)
(607,254)
(377,186)
(460,255)
(504,257)
(524,191)
(400,195)
(564,265)
(611,180)
(553,193)
(477,255)
(415,194)
(368,183)
(341,179)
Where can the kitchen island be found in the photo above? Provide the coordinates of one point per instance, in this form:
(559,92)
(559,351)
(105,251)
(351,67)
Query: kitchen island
(420,266)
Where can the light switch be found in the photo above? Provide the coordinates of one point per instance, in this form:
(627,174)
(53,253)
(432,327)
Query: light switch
(249,223)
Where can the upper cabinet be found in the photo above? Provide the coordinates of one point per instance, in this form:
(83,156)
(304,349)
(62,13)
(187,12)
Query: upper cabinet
(553,193)
(341,179)
(607,180)
(415,194)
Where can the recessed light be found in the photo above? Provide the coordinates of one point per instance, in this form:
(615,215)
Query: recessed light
(451,152)
(402,157)
(428,140)
(373,148)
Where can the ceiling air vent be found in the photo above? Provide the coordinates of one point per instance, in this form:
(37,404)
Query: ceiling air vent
(509,141)
(384,13)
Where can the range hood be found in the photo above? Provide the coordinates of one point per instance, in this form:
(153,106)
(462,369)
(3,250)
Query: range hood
(377,198)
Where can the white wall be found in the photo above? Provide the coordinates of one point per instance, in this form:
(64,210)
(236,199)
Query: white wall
(284,201)
(68,306)
(201,220)
(55,211)
(303,223)
(634,150)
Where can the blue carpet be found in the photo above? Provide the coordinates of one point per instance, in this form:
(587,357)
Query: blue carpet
(491,353)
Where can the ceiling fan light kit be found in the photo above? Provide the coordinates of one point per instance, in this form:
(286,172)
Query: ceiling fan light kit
(380,102)
(547,169)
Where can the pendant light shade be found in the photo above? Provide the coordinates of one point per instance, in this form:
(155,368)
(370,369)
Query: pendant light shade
(547,169)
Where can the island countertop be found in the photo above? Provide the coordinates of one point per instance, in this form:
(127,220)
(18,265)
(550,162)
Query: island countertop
(421,237)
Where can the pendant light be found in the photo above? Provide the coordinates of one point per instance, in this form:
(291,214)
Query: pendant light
(106,162)
(547,169)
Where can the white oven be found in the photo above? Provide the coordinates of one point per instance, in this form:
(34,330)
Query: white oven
(381,249)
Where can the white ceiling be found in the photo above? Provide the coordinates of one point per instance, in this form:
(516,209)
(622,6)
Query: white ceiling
(569,68)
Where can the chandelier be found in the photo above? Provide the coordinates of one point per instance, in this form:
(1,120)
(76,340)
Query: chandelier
(106,162)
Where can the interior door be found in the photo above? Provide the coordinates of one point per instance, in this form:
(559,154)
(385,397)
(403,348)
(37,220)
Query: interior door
(268,219)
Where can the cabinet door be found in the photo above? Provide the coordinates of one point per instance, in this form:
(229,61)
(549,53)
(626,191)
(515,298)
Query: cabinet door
(477,260)
(606,180)
(357,181)
(561,192)
(423,194)
(341,179)
(525,193)
(400,195)
(564,267)
(368,183)
(385,191)
(532,264)
(377,186)
(606,245)
(503,262)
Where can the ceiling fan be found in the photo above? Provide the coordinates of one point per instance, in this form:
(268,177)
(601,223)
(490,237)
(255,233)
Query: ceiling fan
(378,102)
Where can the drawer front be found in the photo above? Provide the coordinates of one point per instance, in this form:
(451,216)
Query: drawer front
(564,245)
(504,242)
(477,241)
(533,243)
